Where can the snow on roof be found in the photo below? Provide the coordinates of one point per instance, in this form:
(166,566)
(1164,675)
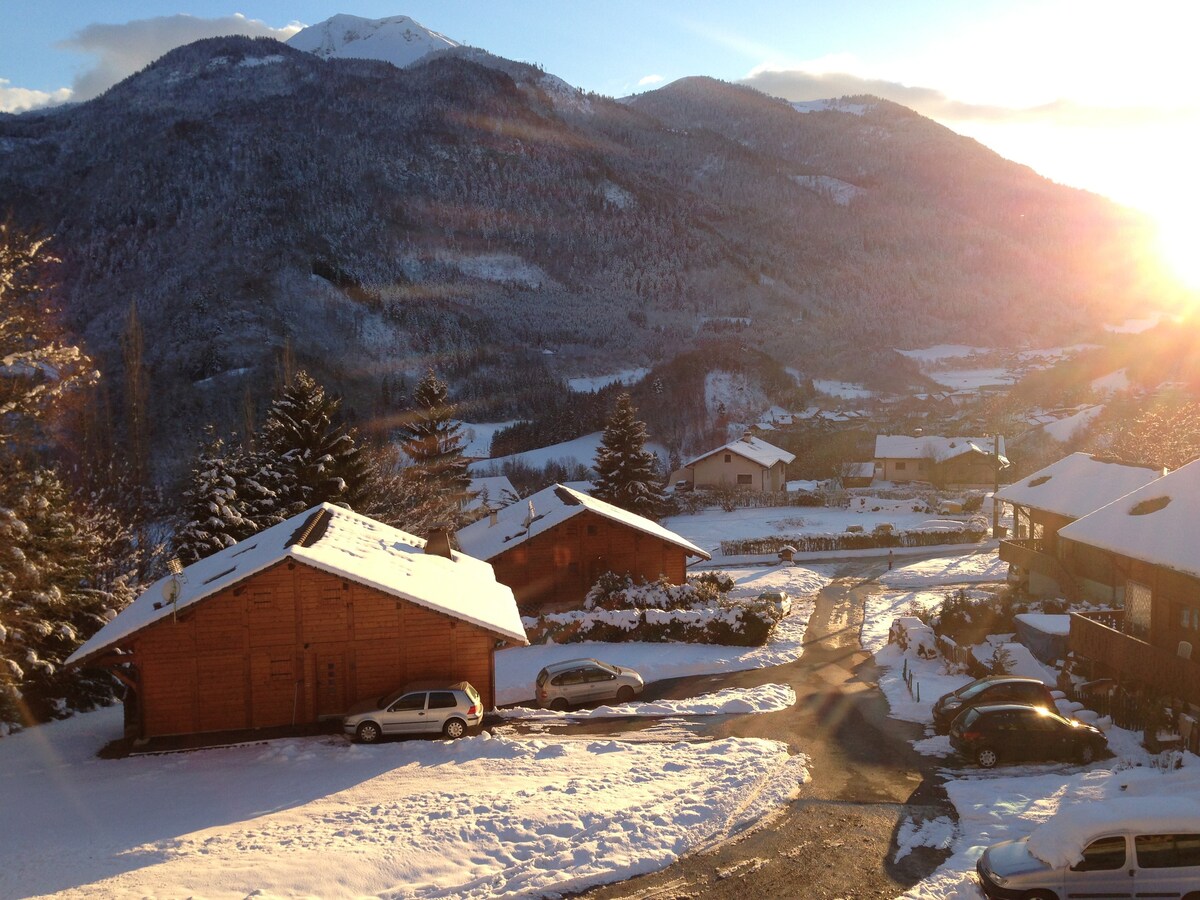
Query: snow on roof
(1060,841)
(754,449)
(547,508)
(1078,484)
(343,543)
(493,490)
(1047,623)
(1156,523)
(935,447)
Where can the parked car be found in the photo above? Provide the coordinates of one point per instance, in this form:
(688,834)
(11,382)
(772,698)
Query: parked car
(1012,732)
(993,689)
(1142,854)
(425,709)
(565,684)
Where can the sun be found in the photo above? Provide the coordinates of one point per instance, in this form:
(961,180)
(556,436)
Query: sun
(1179,245)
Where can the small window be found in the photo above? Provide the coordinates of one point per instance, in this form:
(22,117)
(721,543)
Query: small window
(592,529)
(901,466)
(728,457)
(745,479)
(442,700)
(409,702)
(1104,854)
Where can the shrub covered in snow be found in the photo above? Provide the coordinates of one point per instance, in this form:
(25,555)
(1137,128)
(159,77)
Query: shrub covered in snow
(699,612)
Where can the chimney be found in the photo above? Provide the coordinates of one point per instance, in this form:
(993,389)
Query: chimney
(438,543)
(493,519)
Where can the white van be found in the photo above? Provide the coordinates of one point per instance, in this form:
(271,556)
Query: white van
(1123,848)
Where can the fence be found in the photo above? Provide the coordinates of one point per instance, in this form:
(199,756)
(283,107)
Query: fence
(825,543)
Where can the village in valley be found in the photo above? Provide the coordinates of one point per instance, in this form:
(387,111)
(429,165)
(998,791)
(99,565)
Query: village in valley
(421,477)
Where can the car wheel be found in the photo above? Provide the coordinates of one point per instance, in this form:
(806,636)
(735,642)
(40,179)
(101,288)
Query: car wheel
(1040,895)
(625,694)
(986,757)
(560,704)
(1087,753)
(368,733)
(454,728)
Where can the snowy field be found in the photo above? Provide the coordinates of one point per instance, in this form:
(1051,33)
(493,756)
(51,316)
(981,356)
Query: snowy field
(581,450)
(711,526)
(321,817)
(596,382)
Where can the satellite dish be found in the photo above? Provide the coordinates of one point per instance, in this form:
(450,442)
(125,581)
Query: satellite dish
(170,590)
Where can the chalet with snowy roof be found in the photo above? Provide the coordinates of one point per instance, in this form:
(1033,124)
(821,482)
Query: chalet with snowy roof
(944,461)
(553,547)
(1139,552)
(749,463)
(1052,498)
(295,624)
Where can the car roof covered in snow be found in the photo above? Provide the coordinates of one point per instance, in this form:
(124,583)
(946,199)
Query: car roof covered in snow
(342,543)
(547,508)
(1060,840)
(1078,484)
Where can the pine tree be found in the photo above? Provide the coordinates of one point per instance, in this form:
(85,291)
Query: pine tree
(433,442)
(315,458)
(215,515)
(627,474)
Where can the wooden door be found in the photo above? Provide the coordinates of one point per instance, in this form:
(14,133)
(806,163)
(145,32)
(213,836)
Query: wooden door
(331,683)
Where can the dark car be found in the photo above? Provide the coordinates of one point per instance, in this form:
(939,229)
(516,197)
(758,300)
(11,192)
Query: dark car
(993,689)
(1013,732)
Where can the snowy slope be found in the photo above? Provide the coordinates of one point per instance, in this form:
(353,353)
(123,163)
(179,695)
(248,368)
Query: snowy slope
(398,39)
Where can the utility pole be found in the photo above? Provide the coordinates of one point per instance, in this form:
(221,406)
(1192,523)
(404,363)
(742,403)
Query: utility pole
(996,482)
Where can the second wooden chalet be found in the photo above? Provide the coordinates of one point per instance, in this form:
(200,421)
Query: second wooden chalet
(553,547)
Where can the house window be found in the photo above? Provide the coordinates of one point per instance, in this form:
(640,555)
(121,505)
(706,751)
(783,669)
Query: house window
(922,465)
(592,529)
(728,457)
(1137,609)
(901,466)
(1189,618)
(745,479)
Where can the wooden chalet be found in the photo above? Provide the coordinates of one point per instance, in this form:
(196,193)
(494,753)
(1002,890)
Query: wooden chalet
(295,624)
(553,547)
(959,462)
(1139,552)
(1049,500)
(750,463)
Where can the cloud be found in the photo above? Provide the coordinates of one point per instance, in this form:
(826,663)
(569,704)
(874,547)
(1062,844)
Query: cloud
(799,85)
(649,79)
(18,99)
(121,50)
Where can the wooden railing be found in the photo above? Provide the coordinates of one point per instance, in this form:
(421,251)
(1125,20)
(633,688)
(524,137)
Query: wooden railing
(1098,637)
(1030,554)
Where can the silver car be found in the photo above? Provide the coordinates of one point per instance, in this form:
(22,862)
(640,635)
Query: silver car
(565,684)
(448,709)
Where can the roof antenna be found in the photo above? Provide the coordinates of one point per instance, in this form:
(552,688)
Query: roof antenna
(173,588)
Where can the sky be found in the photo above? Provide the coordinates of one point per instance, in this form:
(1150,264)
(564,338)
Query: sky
(1100,95)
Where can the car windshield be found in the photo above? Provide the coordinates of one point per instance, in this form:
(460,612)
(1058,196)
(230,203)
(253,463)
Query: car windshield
(973,690)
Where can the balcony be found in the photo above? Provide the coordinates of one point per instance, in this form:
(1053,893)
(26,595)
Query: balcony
(1098,637)
(1030,554)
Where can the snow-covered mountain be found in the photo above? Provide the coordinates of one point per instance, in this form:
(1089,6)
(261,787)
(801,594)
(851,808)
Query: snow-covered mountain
(397,39)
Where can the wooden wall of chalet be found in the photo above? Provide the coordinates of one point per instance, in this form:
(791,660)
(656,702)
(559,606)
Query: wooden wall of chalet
(967,469)
(293,644)
(553,571)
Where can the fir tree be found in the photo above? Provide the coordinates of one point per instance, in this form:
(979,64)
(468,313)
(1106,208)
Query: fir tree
(215,514)
(433,442)
(626,473)
(315,458)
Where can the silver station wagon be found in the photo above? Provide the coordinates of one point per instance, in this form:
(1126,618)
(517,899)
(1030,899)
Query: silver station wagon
(562,685)
(446,709)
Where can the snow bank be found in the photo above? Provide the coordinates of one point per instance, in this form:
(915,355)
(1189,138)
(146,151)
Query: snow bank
(981,566)
(730,701)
